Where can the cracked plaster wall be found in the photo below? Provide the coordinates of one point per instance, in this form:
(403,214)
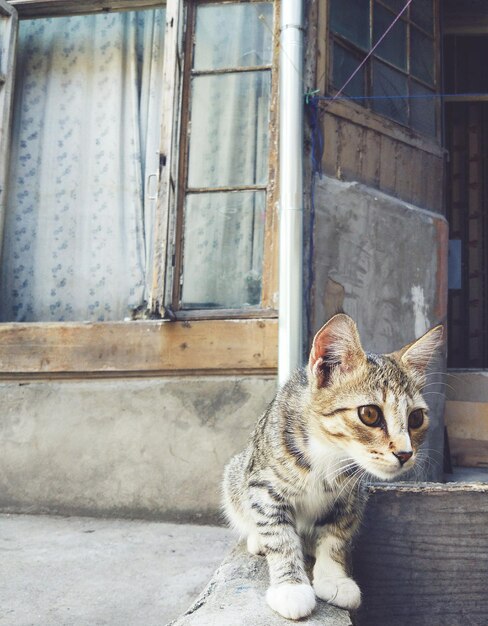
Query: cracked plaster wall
(145,448)
(384,262)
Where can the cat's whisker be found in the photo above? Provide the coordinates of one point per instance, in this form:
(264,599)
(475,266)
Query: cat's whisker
(331,472)
(348,482)
(340,470)
(450,374)
(439,382)
(430,451)
(333,479)
(433,392)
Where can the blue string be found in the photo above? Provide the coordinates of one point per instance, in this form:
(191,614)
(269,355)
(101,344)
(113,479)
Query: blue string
(316,153)
(317,137)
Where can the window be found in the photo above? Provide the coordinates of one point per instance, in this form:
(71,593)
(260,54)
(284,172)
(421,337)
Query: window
(83,154)
(141,174)
(224,209)
(84,167)
(398,78)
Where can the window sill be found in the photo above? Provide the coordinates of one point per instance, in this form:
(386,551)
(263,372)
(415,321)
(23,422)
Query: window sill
(137,348)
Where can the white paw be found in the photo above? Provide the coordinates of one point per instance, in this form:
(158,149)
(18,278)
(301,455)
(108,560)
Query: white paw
(292,601)
(342,592)
(254,545)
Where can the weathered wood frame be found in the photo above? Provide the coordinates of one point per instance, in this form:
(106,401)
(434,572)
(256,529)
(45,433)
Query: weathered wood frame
(8,15)
(211,343)
(269,300)
(139,348)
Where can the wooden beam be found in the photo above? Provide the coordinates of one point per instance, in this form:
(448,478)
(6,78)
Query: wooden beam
(422,556)
(116,348)
(467,98)
(51,8)
(467,426)
(466,22)
(356,114)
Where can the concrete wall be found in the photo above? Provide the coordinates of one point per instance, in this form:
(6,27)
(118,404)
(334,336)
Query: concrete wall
(384,262)
(149,448)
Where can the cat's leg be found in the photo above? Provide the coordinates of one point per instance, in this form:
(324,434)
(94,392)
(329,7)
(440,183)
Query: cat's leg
(290,593)
(254,543)
(330,579)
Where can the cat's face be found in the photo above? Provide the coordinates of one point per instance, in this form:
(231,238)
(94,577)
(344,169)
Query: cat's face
(370,406)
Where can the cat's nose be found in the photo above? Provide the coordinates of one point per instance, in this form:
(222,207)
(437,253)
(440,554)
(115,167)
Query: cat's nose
(403,456)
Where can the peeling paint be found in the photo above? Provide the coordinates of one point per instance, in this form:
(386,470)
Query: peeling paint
(420,310)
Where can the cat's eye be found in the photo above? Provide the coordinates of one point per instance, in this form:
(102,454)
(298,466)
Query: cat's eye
(416,418)
(370,415)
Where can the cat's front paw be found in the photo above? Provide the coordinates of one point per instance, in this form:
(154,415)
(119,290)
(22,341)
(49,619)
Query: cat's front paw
(292,601)
(342,592)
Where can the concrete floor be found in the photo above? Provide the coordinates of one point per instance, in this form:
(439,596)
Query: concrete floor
(89,572)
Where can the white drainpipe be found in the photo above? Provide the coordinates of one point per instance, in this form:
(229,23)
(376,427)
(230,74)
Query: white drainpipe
(291,189)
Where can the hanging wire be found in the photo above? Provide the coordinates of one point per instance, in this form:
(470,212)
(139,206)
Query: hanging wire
(409,2)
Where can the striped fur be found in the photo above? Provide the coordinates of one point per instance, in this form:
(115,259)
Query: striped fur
(296,487)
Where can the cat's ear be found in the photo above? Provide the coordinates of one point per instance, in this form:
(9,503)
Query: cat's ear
(416,355)
(336,345)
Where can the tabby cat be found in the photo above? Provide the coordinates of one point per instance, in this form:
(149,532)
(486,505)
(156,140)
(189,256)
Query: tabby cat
(296,487)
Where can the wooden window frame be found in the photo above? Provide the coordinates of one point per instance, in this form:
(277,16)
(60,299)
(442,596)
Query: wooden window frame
(404,132)
(201,342)
(268,305)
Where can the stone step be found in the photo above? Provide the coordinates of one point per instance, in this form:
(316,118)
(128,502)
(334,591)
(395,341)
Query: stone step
(235,596)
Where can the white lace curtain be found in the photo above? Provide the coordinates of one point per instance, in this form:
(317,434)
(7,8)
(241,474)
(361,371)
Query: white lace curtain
(85,142)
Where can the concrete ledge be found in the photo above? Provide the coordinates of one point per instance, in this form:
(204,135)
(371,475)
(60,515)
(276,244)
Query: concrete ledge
(236,597)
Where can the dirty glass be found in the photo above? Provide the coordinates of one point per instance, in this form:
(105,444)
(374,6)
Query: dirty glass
(422,109)
(422,13)
(223,249)
(350,18)
(218,45)
(391,88)
(396,5)
(393,48)
(421,56)
(229,129)
(344,65)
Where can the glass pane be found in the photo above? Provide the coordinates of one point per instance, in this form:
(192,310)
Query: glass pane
(229,130)
(233,35)
(223,249)
(344,64)
(421,56)
(391,89)
(393,48)
(350,18)
(396,5)
(422,13)
(422,109)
